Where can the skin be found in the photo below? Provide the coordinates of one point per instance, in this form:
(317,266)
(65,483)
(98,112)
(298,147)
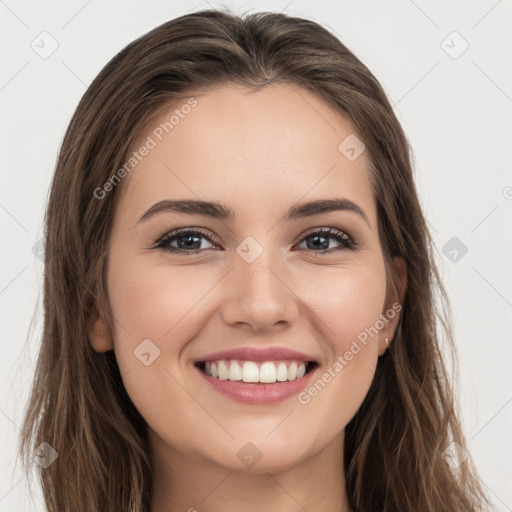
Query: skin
(260,154)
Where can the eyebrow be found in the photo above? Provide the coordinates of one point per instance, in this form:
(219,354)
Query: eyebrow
(222,212)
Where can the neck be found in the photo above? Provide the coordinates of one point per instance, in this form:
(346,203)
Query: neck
(181,483)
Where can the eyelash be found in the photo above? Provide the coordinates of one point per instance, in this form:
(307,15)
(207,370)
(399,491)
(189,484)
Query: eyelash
(347,242)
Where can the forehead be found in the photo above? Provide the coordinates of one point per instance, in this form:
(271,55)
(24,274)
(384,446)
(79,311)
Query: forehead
(246,148)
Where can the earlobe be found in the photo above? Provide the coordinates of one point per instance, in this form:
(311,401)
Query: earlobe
(383,345)
(100,336)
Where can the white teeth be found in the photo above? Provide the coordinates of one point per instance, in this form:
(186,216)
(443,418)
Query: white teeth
(282,372)
(235,371)
(250,371)
(268,372)
(223,371)
(292,371)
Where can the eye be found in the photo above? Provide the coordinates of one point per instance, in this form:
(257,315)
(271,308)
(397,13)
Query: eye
(320,239)
(188,241)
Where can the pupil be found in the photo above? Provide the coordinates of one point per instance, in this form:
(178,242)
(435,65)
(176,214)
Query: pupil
(324,246)
(190,240)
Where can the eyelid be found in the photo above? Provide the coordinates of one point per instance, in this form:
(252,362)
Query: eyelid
(329,231)
(182,231)
(325,229)
(212,238)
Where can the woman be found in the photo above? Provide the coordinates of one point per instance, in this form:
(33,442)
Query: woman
(239,288)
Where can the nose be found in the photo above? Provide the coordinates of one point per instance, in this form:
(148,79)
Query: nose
(259,297)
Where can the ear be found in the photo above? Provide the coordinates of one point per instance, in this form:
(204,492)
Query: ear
(100,335)
(393,303)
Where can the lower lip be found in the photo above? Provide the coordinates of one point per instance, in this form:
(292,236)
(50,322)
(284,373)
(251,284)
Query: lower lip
(254,393)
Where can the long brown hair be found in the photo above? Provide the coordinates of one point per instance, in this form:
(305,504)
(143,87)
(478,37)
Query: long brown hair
(394,445)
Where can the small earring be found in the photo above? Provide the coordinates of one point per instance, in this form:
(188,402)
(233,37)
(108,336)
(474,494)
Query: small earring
(386,341)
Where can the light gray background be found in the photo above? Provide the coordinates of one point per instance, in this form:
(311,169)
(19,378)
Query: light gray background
(455,111)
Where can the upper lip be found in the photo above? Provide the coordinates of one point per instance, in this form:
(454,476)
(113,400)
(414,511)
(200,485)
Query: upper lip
(257,354)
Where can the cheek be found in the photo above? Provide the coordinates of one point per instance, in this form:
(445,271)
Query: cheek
(151,301)
(348,302)
(156,312)
(348,314)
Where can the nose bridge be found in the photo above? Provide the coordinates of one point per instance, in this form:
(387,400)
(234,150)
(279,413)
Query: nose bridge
(258,294)
(258,278)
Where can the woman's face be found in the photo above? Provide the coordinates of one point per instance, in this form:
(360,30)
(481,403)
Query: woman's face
(261,281)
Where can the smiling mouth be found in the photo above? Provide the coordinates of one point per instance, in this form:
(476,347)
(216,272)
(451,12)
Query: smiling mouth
(264,372)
